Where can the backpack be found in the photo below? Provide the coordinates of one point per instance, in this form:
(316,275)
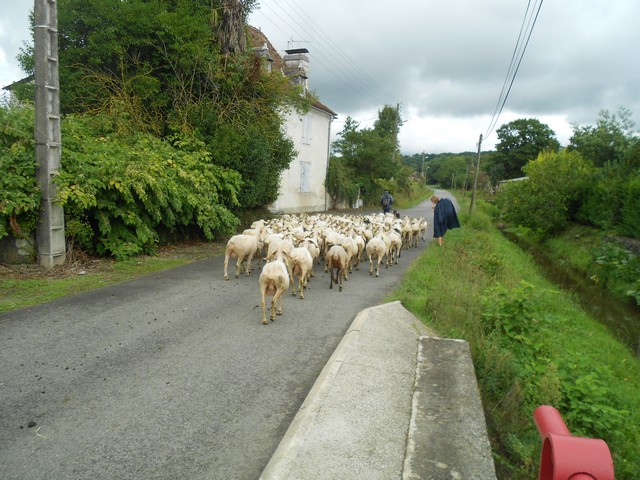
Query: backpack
(386,201)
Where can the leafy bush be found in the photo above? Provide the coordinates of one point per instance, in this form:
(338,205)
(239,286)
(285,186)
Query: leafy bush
(19,193)
(631,207)
(603,206)
(259,155)
(618,269)
(130,188)
(591,407)
(551,194)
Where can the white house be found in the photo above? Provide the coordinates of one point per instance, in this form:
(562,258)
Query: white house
(302,185)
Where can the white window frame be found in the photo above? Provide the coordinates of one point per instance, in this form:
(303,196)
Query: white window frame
(306,128)
(305,177)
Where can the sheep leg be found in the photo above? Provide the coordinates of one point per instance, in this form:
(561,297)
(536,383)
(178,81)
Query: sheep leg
(238,266)
(226,263)
(273,308)
(264,309)
(277,304)
(248,265)
(293,284)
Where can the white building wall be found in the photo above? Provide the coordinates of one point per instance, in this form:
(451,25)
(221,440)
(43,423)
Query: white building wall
(302,185)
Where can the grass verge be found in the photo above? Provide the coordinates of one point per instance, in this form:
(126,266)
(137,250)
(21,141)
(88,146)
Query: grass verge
(26,285)
(531,345)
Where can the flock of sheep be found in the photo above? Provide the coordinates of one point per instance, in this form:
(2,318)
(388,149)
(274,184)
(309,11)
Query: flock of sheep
(291,244)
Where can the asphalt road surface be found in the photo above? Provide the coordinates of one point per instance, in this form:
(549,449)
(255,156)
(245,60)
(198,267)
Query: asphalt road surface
(170,376)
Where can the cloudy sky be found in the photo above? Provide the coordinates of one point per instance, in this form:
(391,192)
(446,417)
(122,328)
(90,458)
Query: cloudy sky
(445,63)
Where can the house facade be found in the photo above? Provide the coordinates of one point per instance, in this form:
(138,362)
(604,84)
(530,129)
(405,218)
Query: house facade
(302,184)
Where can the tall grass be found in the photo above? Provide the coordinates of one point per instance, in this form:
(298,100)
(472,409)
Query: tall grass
(531,345)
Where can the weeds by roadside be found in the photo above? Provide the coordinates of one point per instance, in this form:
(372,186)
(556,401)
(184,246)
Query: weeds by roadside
(531,345)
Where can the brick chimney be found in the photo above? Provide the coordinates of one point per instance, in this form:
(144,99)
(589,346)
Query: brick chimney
(296,67)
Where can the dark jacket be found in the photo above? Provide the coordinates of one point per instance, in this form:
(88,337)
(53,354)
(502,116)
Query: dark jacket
(386,208)
(444,217)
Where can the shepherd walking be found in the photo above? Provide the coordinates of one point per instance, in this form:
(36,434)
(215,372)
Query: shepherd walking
(444,217)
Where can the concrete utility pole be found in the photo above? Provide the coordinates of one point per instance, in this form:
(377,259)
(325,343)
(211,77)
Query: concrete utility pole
(475,182)
(50,232)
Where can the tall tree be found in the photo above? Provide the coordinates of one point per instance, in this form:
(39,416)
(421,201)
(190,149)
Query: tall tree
(610,141)
(520,142)
(372,155)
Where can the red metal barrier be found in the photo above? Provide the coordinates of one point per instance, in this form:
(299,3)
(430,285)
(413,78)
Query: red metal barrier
(565,457)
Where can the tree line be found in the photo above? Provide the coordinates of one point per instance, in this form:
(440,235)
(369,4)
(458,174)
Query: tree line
(594,180)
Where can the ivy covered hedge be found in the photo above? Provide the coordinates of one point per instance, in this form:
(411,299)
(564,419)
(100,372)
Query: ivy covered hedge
(19,194)
(120,193)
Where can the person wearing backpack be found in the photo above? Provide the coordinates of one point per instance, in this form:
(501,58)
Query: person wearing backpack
(386,201)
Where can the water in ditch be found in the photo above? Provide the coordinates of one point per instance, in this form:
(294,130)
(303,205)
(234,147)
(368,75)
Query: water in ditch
(621,319)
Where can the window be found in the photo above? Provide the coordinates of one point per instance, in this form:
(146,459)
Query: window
(305,175)
(306,129)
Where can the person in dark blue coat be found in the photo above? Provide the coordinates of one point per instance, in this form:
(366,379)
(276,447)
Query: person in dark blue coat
(444,217)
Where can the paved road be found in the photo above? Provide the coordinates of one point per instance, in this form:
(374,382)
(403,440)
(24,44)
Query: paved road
(169,376)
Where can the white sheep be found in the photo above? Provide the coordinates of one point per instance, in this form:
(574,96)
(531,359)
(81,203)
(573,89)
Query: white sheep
(274,281)
(351,247)
(407,232)
(336,259)
(376,248)
(278,244)
(300,265)
(395,249)
(311,244)
(244,248)
(419,226)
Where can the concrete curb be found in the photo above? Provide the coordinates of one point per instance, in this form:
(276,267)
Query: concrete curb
(365,416)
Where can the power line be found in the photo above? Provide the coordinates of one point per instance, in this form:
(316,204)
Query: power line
(322,56)
(341,67)
(335,46)
(519,51)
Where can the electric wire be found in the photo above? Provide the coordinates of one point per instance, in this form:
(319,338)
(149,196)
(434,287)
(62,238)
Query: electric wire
(341,67)
(334,46)
(512,62)
(322,56)
(522,48)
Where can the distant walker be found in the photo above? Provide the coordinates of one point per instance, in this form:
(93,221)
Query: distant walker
(386,201)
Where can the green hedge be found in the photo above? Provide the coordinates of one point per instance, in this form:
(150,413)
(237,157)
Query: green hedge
(120,192)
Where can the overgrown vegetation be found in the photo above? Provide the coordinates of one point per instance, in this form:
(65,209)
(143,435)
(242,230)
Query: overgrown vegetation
(531,345)
(608,261)
(19,193)
(172,126)
(595,181)
(551,195)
